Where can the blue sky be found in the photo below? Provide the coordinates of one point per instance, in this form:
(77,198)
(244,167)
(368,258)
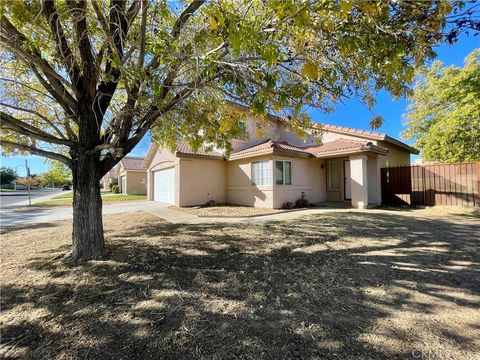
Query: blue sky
(351,113)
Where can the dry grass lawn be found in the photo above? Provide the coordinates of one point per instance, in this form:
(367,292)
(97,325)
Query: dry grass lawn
(357,285)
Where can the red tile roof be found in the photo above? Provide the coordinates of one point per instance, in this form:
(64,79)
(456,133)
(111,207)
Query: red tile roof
(332,147)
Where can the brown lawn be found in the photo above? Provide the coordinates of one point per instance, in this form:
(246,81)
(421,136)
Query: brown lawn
(357,285)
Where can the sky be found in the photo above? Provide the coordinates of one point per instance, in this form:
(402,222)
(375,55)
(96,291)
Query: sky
(350,114)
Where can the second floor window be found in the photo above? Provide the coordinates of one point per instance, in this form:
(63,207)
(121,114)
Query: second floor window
(243,133)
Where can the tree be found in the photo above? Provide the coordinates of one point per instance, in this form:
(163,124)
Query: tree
(84,81)
(7,175)
(444,115)
(58,174)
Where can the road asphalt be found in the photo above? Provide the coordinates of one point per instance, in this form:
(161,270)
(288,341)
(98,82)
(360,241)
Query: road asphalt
(8,198)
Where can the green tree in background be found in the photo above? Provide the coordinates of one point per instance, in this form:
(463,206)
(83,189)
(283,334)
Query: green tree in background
(57,174)
(444,116)
(7,175)
(84,81)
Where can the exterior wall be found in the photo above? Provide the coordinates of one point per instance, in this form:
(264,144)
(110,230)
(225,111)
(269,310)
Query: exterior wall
(307,176)
(396,155)
(328,136)
(240,190)
(135,182)
(359,174)
(252,138)
(202,180)
(163,159)
(374,179)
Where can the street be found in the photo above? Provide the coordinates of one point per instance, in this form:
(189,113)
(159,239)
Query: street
(13,197)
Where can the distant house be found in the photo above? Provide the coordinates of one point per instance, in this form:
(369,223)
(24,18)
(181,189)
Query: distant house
(268,172)
(109,179)
(132,177)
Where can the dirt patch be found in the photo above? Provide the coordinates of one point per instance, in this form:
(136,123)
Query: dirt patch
(229,211)
(350,285)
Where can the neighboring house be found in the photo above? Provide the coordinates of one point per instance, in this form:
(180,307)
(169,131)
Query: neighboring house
(132,178)
(267,172)
(109,179)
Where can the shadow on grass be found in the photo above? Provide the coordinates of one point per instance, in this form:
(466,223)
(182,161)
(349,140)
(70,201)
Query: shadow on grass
(278,291)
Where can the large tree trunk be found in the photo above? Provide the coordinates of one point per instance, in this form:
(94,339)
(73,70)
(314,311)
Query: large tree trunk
(88,241)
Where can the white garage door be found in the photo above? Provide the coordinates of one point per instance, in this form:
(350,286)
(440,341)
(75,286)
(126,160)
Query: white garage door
(164,186)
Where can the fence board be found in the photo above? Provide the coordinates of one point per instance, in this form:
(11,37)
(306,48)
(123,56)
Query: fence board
(429,185)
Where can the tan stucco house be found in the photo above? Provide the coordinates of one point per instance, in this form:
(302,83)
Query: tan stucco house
(270,171)
(132,177)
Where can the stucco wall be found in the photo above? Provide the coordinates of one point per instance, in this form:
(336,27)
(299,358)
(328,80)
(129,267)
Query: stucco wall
(307,176)
(396,155)
(240,190)
(136,182)
(202,180)
(373,178)
(331,136)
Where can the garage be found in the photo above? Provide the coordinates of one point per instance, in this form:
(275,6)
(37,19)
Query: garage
(164,186)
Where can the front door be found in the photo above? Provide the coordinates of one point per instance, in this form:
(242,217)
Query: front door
(348,180)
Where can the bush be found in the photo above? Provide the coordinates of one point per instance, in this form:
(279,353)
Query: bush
(302,202)
(115,189)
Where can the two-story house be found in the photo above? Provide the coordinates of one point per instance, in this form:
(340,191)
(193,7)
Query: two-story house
(267,172)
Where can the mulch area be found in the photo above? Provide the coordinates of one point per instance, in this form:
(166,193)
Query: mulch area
(228,211)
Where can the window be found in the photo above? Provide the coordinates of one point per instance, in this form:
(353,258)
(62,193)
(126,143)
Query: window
(260,173)
(243,131)
(335,171)
(283,172)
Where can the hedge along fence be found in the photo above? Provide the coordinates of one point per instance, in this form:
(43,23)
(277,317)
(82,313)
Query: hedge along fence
(432,184)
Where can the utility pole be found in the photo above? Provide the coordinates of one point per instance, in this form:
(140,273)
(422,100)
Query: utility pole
(15,181)
(28,183)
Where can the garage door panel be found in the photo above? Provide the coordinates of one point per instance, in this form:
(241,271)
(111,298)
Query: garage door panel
(164,186)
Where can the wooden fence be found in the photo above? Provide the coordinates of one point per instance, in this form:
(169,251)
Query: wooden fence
(429,185)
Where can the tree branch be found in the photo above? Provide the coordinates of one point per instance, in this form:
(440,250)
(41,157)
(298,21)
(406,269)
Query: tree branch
(37,151)
(184,16)
(44,118)
(63,50)
(21,127)
(89,66)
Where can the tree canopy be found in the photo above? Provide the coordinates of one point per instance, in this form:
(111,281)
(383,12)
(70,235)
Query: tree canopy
(444,116)
(58,174)
(7,175)
(83,81)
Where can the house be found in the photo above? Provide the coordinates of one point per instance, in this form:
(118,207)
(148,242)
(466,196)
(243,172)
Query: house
(268,172)
(109,179)
(132,177)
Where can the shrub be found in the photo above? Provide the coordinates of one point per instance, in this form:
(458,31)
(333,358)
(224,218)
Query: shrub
(302,202)
(115,189)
